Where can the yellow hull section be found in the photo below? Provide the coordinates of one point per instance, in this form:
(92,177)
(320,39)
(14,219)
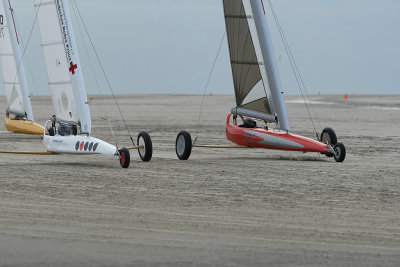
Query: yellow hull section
(23,127)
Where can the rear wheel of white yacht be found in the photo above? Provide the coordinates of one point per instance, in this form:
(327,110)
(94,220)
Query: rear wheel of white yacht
(124,157)
(183,145)
(339,152)
(146,146)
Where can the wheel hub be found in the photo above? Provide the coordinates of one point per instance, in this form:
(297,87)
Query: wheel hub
(180,146)
(142,145)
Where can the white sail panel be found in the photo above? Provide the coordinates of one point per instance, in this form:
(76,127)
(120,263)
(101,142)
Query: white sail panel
(63,65)
(9,59)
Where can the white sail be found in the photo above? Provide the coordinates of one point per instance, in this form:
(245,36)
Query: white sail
(62,61)
(14,80)
(254,72)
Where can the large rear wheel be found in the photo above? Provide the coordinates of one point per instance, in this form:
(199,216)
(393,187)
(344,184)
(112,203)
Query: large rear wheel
(146,146)
(328,136)
(124,158)
(183,145)
(339,152)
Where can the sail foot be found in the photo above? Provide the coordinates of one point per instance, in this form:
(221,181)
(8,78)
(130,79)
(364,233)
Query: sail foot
(15,112)
(253,114)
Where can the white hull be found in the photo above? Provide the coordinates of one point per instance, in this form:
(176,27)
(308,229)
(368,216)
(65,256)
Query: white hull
(78,144)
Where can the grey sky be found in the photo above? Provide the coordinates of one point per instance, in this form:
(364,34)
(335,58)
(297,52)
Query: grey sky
(168,46)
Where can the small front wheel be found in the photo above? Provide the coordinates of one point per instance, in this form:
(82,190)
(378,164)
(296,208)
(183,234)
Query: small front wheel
(183,145)
(124,157)
(339,152)
(145,146)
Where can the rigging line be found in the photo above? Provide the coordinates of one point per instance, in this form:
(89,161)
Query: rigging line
(27,44)
(87,51)
(294,61)
(237,51)
(300,87)
(27,58)
(254,58)
(236,23)
(208,82)
(242,25)
(296,67)
(2,128)
(231,26)
(249,66)
(104,72)
(296,75)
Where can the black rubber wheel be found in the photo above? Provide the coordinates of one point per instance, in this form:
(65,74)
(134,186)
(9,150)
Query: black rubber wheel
(329,154)
(144,140)
(340,152)
(328,136)
(124,157)
(183,145)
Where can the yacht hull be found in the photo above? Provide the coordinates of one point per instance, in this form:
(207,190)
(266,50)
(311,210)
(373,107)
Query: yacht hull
(23,126)
(272,139)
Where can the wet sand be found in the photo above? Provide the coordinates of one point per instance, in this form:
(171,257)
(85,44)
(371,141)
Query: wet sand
(237,207)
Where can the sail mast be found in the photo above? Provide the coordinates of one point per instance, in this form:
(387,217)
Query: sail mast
(19,76)
(264,36)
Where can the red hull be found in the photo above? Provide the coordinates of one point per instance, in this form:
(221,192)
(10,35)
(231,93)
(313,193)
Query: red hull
(272,139)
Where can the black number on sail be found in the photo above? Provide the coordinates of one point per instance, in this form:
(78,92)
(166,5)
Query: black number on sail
(1,19)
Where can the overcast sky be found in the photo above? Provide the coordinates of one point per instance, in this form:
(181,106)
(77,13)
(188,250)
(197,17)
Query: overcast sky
(168,46)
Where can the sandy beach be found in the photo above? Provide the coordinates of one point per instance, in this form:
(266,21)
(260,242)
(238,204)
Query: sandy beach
(236,207)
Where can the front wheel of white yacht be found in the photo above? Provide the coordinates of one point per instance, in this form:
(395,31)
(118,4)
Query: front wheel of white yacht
(124,158)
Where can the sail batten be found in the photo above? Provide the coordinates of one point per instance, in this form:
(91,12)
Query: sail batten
(52,43)
(246,62)
(237,17)
(253,114)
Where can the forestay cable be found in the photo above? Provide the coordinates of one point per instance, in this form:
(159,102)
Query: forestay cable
(104,72)
(27,57)
(295,70)
(87,52)
(27,44)
(208,82)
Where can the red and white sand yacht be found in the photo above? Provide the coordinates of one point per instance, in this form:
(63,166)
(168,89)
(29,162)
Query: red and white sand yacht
(258,90)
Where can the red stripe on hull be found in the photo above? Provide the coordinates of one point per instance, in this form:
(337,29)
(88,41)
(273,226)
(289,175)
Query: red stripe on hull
(272,139)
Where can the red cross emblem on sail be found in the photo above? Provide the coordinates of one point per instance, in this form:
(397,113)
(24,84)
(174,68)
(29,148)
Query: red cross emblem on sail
(72,67)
